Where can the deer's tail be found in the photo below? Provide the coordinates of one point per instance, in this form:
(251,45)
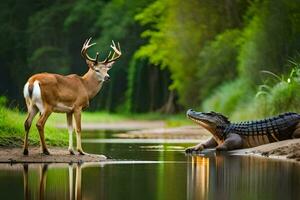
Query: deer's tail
(27,91)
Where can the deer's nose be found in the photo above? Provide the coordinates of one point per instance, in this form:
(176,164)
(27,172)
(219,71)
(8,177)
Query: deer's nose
(106,78)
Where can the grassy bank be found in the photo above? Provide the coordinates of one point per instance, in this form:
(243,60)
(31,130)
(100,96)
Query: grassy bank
(12,130)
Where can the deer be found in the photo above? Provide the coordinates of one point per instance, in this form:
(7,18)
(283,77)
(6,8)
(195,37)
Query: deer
(46,93)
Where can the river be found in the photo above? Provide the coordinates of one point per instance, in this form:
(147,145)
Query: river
(144,169)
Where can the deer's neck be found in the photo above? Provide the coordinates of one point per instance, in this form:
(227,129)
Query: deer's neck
(92,83)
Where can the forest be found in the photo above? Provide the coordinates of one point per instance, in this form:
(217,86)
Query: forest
(237,57)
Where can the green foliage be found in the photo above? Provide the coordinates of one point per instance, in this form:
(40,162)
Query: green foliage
(273,98)
(3,101)
(80,10)
(284,95)
(268,38)
(173,51)
(262,49)
(176,33)
(228,97)
(144,77)
(117,22)
(46,44)
(49,57)
(218,62)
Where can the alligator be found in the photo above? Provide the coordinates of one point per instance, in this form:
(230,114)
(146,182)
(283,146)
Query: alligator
(229,136)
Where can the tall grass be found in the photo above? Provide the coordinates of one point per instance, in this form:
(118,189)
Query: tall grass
(280,93)
(284,95)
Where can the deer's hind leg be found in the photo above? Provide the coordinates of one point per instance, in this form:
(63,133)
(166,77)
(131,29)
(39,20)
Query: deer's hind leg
(32,111)
(40,126)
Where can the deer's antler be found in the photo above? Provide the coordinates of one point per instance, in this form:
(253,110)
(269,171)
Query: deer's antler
(85,47)
(116,55)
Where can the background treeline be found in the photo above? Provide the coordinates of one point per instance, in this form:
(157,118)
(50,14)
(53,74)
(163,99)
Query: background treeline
(177,54)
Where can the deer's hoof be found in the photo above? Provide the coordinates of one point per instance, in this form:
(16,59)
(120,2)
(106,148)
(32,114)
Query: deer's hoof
(25,152)
(71,151)
(46,152)
(81,152)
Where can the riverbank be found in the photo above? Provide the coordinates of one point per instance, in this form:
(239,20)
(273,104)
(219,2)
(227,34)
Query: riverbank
(288,150)
(58,155)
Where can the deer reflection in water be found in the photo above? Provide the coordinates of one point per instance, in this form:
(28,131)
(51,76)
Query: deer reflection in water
(43,169)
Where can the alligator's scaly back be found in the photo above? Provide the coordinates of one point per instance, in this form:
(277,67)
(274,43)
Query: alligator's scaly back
(229,136)
(275,129)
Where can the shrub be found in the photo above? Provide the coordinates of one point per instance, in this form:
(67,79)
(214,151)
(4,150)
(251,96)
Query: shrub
(228,97)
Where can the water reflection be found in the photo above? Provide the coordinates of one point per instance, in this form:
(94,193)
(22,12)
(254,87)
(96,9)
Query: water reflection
(198,177)
(42,180)
(231,177)
(145,174)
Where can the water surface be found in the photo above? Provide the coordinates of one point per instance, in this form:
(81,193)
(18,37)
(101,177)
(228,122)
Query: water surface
(152,170)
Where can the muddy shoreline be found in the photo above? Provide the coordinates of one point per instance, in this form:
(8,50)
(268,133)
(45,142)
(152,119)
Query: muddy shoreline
(58,155)
(287,150)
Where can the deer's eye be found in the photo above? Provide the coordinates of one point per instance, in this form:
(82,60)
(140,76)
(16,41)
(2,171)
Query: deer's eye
(97,70)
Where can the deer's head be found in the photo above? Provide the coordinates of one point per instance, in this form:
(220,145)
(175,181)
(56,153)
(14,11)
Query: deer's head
(100,68)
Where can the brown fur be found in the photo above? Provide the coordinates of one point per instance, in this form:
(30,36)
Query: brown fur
(72,91)
(67,94)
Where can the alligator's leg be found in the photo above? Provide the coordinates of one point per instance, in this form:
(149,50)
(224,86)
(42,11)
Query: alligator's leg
(233,141)
(296,133)
(199,147)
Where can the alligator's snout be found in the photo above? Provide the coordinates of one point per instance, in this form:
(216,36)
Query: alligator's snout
(189,112)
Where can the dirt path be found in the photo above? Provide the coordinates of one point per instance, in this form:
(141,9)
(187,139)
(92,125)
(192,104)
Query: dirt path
(183,132)
(58,155)
(119,126)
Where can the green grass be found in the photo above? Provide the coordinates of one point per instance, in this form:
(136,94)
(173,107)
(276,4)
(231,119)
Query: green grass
(12,130)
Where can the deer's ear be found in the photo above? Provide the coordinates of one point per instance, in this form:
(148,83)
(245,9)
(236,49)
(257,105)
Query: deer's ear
(90,64)
(109,65)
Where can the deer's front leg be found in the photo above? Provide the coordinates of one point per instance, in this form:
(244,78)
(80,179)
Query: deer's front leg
(199,147)
(77,117)
(70,130)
